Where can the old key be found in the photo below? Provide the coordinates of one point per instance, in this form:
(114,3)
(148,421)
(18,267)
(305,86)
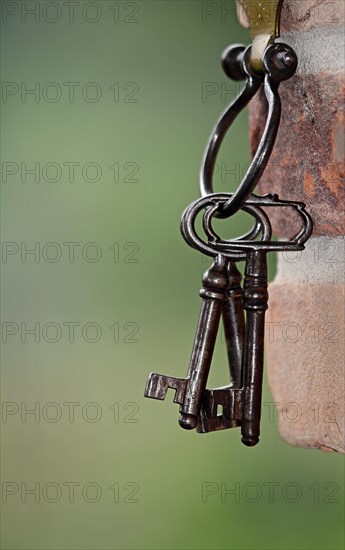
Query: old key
(190,391)
(255,303)
(240,402)
(234,324)
(221,293)
(226,399)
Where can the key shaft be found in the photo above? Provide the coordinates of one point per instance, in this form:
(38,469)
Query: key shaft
(234,325)
(255,302)
(214,293)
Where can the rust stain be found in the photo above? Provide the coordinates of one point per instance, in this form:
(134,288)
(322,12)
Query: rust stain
(332,179)
(309,185)
(338,140)
(307,162)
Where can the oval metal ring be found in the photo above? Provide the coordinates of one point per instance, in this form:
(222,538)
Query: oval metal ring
(212,235)
(192,238)
(264,150)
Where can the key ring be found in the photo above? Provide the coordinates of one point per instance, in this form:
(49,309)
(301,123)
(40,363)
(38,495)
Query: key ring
(235,249)
(280,63)
(212,248)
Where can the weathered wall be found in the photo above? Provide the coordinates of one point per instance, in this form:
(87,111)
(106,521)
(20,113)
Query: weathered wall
(305,343)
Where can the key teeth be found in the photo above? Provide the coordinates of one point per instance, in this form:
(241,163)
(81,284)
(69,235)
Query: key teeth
(231,401)
(158,384)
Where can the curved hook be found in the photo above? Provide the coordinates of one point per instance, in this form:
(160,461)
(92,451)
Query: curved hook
(280,63)
(263,152)
(218,134)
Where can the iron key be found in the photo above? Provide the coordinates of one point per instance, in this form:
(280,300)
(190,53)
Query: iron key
(255,303)
(214,293)
(234,325)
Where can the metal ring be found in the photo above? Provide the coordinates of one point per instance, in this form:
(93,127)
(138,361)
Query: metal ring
(278,68)
(212,235)
(243,244)
(252,86)
(192,238)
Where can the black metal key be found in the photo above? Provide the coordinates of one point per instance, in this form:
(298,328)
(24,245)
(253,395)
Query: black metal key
(255,303)
(234,325)
(190,391)
(240,403)
(222,407)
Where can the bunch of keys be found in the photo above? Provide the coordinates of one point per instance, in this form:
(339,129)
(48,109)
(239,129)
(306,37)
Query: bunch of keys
(241,307)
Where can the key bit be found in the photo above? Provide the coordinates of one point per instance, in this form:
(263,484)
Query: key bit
(221,409)
(158,384)
(263,17)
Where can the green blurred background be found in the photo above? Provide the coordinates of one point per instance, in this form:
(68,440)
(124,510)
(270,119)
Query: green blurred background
(157,90)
